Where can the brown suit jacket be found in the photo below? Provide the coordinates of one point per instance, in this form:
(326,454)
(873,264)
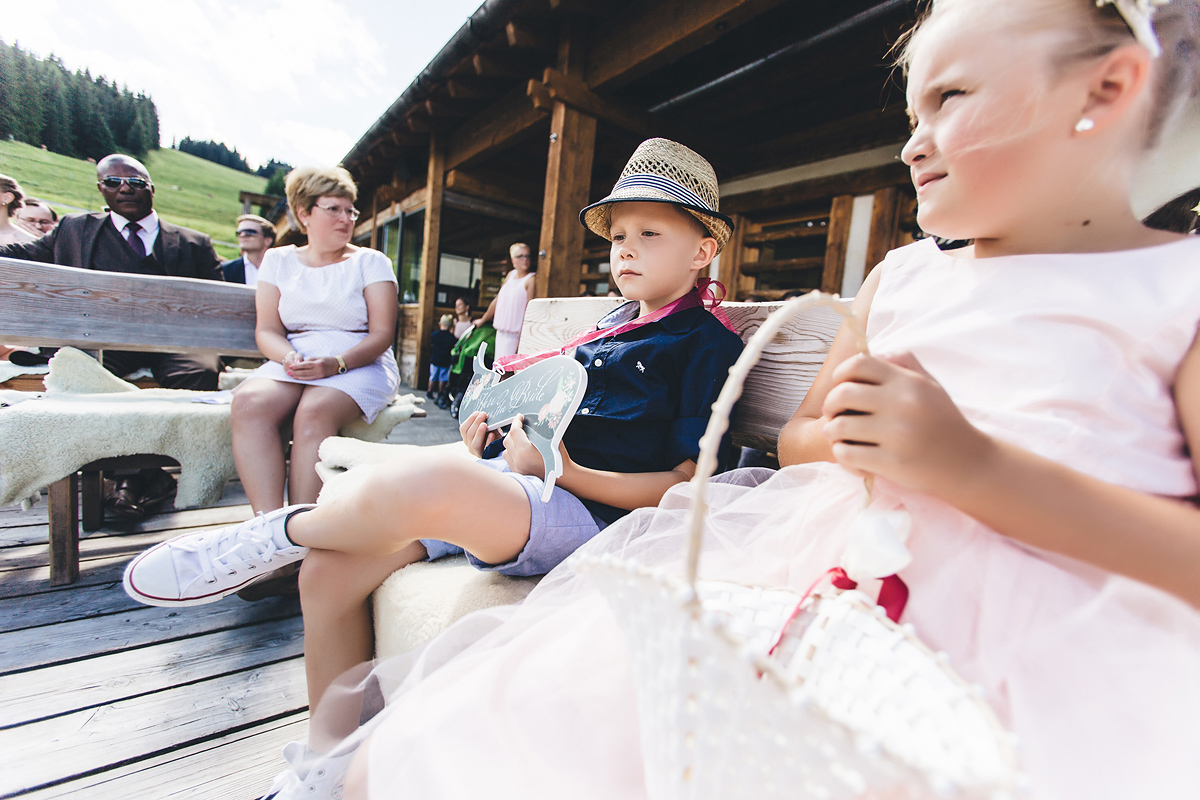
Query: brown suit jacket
(185,253)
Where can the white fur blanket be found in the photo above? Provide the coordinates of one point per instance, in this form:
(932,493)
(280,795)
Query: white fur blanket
(421,600)
(86,414)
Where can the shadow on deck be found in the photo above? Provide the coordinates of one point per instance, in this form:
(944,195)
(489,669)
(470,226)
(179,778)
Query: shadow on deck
(103,698)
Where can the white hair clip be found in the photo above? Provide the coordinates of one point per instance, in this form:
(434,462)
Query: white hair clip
(1137,14)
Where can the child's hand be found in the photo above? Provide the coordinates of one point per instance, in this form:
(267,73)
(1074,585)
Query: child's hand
(475,433)
(888,417)
(520,454)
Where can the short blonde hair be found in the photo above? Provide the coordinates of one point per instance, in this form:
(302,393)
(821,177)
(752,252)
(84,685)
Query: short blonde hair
(264,224)
(304,186)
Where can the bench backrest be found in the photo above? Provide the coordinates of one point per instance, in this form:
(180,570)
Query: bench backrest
(774,387)
(49,305)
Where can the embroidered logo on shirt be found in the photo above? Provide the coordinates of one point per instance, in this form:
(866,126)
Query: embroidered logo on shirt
(640,367)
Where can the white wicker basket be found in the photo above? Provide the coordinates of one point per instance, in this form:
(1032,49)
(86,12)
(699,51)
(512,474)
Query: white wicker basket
(744,691)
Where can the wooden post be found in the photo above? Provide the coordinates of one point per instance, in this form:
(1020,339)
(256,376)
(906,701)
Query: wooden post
(568,182)
(835,243)
(374,219)
(430,251)
(731,259)
(63,502)
(885,215)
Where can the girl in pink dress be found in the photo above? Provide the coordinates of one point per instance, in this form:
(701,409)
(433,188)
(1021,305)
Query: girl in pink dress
(1035,409)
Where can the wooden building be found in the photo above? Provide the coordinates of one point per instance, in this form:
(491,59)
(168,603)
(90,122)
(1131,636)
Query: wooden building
(531,110)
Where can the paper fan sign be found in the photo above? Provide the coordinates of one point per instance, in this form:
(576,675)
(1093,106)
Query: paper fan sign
(545,395)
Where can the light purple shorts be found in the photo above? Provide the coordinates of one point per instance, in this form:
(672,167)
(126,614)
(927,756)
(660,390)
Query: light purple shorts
(557,528)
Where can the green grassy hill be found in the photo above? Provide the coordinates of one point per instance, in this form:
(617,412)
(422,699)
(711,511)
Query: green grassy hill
(188,190)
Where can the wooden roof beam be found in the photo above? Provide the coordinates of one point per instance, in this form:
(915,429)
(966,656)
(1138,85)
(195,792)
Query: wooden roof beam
(473,87)
(529,35)
(500,64)
(489,187)
(493,128)
(449,107)
(581,8)
(489,208)
(661,33)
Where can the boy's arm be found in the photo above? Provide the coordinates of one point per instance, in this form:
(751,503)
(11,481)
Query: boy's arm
(628,490)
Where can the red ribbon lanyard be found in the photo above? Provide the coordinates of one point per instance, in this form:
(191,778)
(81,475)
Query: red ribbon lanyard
(705,295)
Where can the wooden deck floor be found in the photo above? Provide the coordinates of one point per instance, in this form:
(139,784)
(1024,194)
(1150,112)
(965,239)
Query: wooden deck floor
(103,698)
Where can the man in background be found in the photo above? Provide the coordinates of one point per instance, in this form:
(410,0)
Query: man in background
(129,237)
(255,236)
(36,217)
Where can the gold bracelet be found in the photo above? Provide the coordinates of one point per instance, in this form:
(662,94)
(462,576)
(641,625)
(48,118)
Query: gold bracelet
(341,365)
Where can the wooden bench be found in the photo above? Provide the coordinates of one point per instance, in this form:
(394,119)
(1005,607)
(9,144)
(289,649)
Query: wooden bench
(48,305)
(420,600)
(54,306)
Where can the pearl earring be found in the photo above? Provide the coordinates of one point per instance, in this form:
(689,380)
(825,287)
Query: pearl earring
(1085,124)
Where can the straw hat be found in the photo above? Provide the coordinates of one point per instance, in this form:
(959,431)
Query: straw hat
(662,171)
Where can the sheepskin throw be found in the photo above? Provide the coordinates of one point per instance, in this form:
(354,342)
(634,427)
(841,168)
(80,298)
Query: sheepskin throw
(87,413)
(423,599)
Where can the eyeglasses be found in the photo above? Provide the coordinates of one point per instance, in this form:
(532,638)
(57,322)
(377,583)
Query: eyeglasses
(352,213)
(249,232)
(113,182)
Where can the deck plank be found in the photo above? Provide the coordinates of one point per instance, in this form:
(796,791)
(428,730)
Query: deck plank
(39,647)
(89,740)
(237,766)
(61,689)
(34,533)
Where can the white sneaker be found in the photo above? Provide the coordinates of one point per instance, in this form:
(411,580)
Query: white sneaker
(198,568)
(311,775)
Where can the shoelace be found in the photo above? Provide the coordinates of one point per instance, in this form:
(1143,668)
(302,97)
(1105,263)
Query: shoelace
(251,544)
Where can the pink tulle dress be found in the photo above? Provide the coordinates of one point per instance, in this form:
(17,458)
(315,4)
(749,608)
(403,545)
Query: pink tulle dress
(1070,356)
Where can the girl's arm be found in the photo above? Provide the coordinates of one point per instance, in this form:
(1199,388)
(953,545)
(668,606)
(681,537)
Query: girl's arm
(382,310)
(802,440)
(910,432)
(269,333)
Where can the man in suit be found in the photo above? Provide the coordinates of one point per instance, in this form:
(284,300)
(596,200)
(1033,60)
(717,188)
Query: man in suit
(129,237)
(255,236)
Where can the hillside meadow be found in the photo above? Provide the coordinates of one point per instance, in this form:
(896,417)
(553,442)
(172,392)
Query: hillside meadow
(189,191)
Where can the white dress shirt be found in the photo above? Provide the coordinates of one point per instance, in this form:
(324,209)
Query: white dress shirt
(148,223)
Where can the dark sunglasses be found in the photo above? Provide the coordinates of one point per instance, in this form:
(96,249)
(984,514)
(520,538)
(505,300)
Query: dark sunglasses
(249,232)
(134,183)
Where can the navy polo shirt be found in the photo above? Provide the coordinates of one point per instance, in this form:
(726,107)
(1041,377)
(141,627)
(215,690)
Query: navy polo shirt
(649,394)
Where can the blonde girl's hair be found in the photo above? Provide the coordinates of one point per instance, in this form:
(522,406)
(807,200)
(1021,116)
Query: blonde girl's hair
(304,186)
(8,184)
(1087,31)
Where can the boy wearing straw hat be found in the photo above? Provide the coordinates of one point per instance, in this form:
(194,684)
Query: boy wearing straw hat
(654,367)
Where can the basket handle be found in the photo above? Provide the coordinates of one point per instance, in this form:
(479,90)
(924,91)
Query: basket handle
(718,421)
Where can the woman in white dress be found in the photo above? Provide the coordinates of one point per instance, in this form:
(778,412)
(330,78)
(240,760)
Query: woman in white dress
(326,320)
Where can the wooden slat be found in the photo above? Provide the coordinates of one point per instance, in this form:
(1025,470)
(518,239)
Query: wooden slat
(835,243)
(782,265)
(64,688)
(494,187)
(45,304)
(657,33)
(31,647)
(729,267)
(75,744)
(490,208)
(237,765)
(854,183)
(497,126)
(787,234)
(15,535)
